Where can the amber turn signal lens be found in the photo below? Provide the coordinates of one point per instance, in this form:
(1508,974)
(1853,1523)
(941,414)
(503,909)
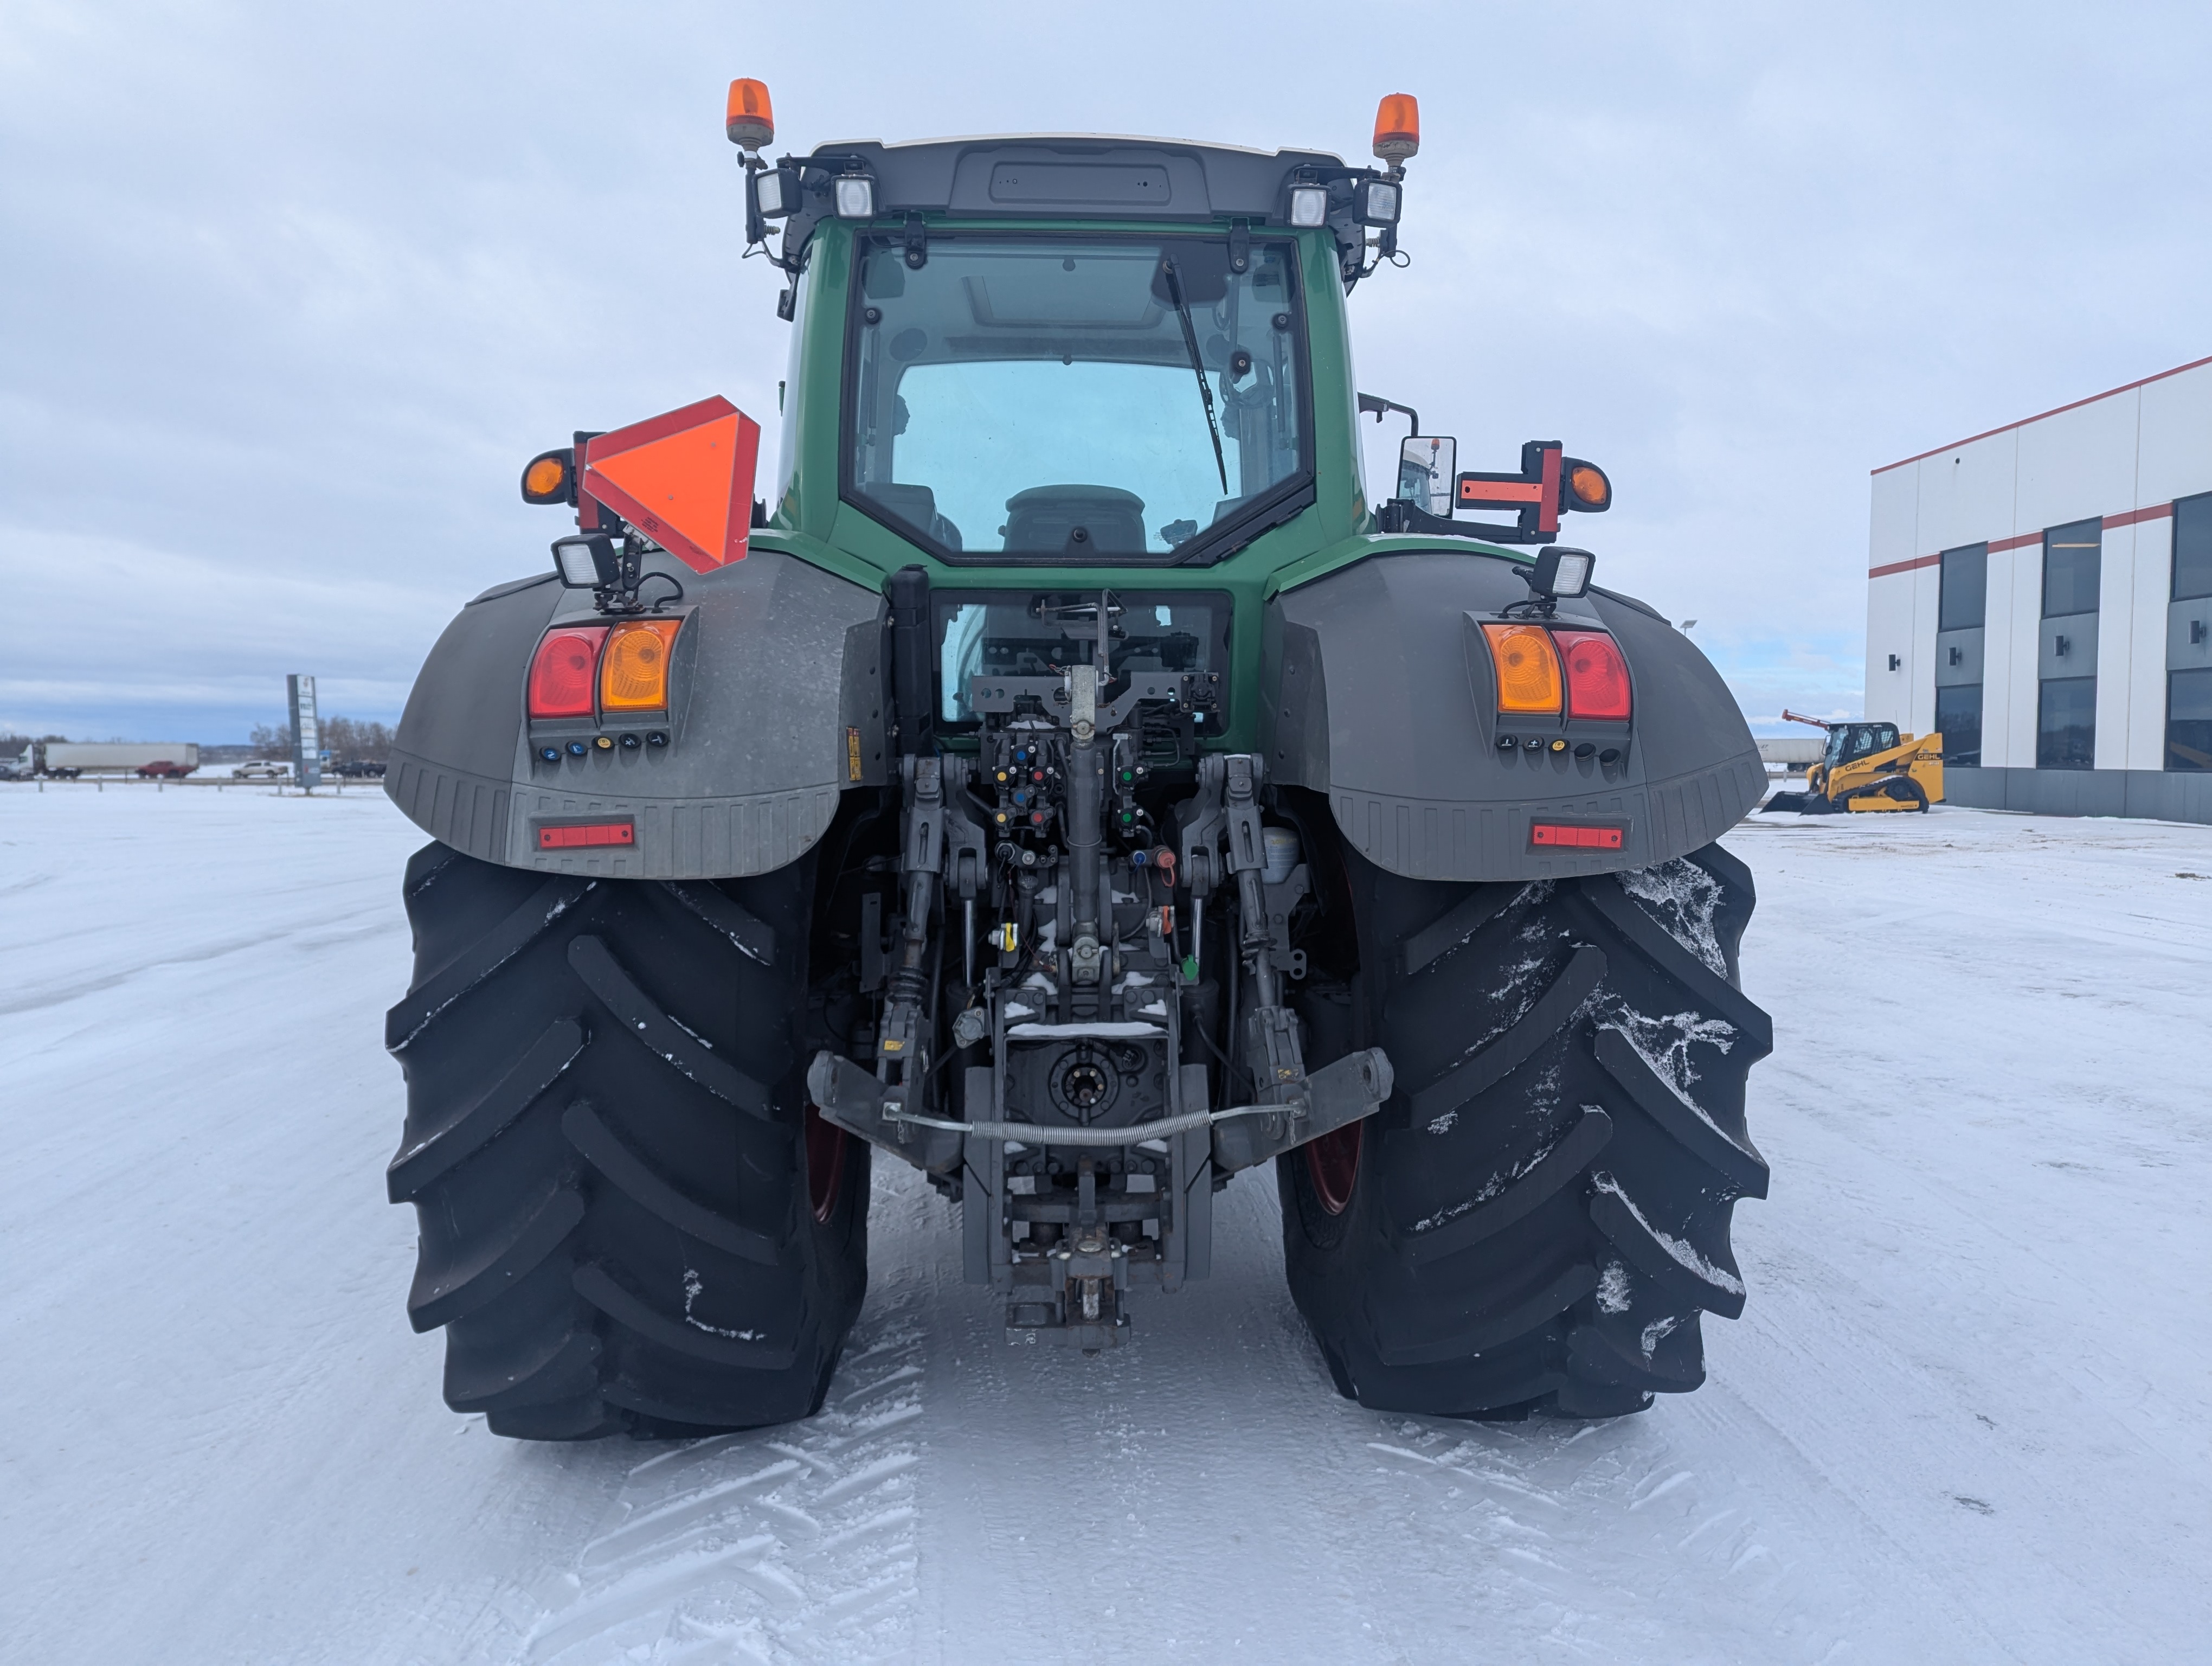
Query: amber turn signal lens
(751,120)
(1590,489)
(633,671)
(1397,127)
(561,675)
(545,477)
(1528,669)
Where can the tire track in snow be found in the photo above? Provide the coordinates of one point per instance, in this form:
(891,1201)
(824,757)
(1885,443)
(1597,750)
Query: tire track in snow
(794,1544)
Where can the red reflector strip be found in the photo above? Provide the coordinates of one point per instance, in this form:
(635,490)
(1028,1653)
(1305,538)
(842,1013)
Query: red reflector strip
(1576,835)
(1501,491)
(578,835)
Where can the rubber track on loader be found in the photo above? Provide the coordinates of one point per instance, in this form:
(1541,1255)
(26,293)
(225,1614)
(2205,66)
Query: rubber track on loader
(1540,1217)
(603,1096)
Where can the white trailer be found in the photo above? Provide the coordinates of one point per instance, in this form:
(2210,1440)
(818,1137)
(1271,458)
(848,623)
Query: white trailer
(68,759)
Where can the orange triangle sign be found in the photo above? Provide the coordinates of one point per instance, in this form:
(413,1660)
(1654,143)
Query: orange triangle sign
(684,479)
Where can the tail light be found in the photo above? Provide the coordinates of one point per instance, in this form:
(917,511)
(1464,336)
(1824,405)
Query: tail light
(560,676)
(1597,676)
(1527,668)
(633,671)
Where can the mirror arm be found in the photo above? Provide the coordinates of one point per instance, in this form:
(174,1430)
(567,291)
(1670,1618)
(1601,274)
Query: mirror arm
(1398,515)
(1379,408)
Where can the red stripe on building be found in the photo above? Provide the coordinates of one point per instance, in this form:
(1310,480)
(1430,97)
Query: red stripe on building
(1999,545)
(1902,566)
(2054,411)
(2156,512)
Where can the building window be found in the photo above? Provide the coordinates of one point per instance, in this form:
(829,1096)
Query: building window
(1965,595)
(2188,719)
(2066,723)
(1958,720)
(2192,548)
(2072,556)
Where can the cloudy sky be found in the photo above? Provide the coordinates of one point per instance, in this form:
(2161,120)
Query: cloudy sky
(291,291)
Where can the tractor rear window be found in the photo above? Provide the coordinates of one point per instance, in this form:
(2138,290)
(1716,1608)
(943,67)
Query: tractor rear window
(1041,397)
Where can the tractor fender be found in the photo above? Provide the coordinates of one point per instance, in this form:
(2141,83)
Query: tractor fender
(776,706)
(1379,692)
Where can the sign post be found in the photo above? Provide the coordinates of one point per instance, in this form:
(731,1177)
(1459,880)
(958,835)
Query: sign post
(307,733)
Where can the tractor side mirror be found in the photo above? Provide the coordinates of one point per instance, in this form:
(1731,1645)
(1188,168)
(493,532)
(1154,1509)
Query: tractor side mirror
(1427,465)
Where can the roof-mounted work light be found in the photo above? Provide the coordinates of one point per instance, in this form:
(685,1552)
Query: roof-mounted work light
(1378,203)
(854,195)
(1308,205)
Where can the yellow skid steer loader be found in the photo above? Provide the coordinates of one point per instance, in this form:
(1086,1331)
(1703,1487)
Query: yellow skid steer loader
(1867,766)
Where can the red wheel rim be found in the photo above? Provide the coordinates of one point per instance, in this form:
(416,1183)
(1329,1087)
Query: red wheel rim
(825,1164)
(1333,1165)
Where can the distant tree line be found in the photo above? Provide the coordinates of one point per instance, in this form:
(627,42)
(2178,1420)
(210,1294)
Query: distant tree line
(347,740)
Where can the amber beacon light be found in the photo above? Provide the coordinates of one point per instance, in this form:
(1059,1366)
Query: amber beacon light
(1398,128)
(751,122)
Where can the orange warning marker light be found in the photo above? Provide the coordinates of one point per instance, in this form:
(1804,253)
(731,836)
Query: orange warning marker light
(684,479)
(1397,127)
(752,119)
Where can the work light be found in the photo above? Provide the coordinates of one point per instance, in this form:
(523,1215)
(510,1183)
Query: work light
(1560,572)
(586,562)
(855,197)
(1308,205)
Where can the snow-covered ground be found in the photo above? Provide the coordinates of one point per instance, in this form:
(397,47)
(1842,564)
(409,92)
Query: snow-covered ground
(1965,1418)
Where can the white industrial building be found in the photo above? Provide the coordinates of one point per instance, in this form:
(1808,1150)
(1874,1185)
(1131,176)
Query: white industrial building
(2042,594)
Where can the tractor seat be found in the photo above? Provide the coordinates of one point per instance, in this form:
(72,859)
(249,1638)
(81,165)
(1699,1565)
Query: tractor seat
(1044,519)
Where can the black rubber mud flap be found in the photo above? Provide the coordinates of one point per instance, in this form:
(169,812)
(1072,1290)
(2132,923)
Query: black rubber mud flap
(604,1105)
(1539,1216)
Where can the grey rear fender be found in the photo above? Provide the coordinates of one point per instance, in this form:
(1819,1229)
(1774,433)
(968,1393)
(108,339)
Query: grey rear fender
(776,708)
(1381,694)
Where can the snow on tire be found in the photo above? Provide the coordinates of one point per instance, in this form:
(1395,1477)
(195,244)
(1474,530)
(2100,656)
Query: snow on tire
(1539,1218)
(628,1217)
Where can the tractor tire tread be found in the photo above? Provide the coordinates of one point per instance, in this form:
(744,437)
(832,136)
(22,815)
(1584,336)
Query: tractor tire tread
(1537,1224)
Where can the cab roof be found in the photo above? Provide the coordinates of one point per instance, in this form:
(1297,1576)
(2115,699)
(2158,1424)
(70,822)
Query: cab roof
(1077,176)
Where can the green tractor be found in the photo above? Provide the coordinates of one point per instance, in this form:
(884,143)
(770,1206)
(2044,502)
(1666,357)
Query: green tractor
(1058,775)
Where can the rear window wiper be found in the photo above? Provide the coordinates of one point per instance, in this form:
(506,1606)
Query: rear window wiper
(1197,364)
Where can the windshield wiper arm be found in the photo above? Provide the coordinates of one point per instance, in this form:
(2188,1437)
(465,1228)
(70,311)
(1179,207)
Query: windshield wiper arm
(1197,366)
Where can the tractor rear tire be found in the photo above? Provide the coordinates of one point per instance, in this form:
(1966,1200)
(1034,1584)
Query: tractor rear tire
(629,1219)
(1538,1219)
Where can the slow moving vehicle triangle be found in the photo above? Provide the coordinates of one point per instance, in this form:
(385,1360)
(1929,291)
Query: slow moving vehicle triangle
(683,478)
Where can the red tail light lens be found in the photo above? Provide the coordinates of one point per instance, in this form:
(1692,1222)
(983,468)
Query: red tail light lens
(1597,676)
(562,675)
